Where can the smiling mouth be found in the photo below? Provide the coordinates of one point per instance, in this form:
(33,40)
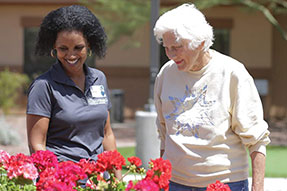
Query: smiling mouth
(72,62)
(178,62)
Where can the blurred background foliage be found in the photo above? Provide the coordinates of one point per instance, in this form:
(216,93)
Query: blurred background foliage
(122,18)
(12,85)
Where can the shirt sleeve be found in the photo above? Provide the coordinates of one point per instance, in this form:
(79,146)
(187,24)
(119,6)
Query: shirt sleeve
(160,122)
(39,99)
(247,113)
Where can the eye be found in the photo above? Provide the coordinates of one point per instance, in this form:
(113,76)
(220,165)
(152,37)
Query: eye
(80,47)
(178,47)
(62,48)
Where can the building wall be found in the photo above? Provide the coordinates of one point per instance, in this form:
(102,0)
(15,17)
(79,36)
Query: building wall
(279,69)
(11,37)
(251,36)
(127,68)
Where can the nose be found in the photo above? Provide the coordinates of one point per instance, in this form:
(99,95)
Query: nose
(71,54)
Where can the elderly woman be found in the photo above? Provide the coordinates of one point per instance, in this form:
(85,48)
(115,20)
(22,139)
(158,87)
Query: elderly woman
(68,106)
(209,110)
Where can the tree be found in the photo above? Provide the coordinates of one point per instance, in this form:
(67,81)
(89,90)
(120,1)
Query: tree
(123,17)
(120,17)
(269,8)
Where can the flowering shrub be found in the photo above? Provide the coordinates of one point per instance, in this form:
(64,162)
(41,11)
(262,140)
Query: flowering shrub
(42,172)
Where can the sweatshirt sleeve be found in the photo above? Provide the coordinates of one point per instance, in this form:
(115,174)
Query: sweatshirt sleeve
(160,122)
(247,113)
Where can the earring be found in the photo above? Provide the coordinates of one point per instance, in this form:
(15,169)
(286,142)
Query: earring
(90,52)
(52,53)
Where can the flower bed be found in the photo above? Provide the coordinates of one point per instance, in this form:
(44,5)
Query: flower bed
(42,172)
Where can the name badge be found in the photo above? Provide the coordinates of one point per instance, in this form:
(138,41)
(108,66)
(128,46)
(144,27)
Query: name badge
(98,91)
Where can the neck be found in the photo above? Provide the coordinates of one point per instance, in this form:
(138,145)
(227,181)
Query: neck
(80,73)
(203,60)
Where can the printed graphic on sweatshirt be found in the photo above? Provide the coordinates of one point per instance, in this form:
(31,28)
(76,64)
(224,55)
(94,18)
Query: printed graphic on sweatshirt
(191,111)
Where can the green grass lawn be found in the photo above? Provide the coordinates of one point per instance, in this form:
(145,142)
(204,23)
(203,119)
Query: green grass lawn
(127,152)
(276,165)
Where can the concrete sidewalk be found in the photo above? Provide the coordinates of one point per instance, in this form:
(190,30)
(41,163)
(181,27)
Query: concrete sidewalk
(125,133)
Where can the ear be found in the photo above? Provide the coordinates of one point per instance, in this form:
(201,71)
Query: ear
(202,45)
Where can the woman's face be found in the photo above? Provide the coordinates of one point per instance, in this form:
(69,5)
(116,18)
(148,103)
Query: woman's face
(72,48)
(185,58)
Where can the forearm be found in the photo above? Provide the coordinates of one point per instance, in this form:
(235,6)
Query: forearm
(37,127)
(36,147)
(109,142)
(258,171)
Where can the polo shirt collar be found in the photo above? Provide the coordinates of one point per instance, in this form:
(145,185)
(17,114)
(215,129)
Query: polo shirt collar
(91,76)
(59,75)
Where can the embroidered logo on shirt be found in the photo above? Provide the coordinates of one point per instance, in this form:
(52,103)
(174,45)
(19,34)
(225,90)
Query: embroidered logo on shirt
(191,111)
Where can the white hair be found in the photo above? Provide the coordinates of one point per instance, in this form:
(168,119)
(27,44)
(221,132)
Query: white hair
(187,22)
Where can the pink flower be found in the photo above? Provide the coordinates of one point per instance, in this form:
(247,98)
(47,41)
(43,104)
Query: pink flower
(70,172)
(4,157)
(146,185)
(44,159)
(47,178)
(21,165)
(67,174)
(218,186)
(58,186)
(130,185)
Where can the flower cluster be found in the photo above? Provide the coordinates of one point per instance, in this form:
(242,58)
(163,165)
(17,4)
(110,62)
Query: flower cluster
(218,186)
(44,159)
(42,172)
(157,177)
(108,161)
(4,157)
(22,166)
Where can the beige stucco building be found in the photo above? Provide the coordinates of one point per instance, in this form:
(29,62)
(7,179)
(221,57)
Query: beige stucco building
(252,40)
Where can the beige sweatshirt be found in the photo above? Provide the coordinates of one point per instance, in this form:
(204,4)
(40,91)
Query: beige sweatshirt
(206,120)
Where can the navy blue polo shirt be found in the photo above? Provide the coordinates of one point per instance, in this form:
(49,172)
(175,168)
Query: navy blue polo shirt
(77,119)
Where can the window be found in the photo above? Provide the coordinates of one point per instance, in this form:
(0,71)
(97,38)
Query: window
(221,41)
(34,65)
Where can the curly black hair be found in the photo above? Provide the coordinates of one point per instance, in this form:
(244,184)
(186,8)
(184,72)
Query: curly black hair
(74,17)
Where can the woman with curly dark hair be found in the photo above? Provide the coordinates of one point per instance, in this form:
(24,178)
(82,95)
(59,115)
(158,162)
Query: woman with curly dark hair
(68,106)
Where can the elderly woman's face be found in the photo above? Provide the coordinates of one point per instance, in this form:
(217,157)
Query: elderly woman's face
(185,58)
(72,49)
